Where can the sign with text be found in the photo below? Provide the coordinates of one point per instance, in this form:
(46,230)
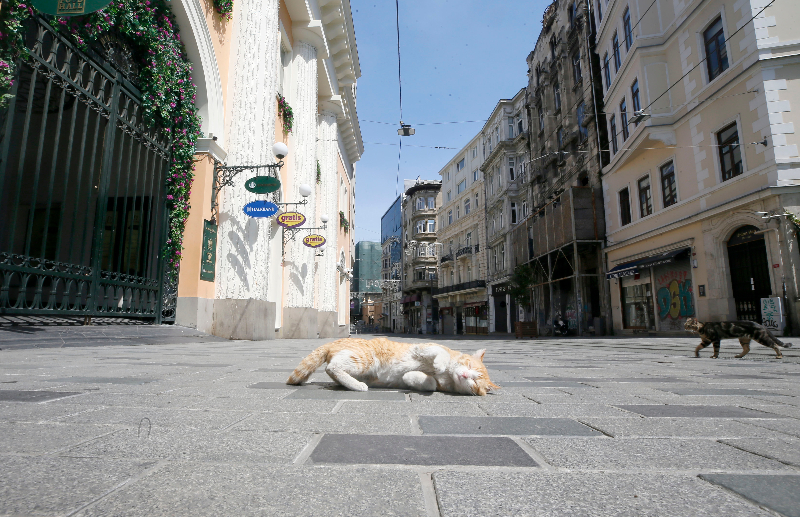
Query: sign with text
(314,241)
(69,8)
(260,209)
(291,219)
(208,256)
(262,184)
(772,315)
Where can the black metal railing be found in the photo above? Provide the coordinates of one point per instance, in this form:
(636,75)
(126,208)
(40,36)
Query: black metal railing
(447,258)
(463,286)
(466,250)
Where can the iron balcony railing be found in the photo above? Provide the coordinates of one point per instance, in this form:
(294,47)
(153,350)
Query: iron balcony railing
(464,286)
(467,250)
(447,258)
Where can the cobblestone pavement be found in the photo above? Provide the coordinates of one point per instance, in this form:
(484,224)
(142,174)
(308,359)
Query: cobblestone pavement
(163,421)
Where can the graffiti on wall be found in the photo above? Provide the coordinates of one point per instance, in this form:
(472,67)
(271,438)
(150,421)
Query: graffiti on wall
(674,295)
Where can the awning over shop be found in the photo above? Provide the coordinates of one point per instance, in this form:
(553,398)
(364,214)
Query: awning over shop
(633,267)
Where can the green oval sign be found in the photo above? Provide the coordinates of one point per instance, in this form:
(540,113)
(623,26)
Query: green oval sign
(69,7)
(262,184)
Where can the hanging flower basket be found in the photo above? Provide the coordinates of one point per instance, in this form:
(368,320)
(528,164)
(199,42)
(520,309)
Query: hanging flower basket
(224,8)
(319,173)
(286,113)
(343,222)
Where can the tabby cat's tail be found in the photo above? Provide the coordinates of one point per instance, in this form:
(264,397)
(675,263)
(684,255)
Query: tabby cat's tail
(308,365)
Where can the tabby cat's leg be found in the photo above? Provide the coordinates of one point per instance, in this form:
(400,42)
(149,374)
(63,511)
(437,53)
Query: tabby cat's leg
(704,343)
(419,381)
(768,341)
(716,350)
(337,371)
(745,342)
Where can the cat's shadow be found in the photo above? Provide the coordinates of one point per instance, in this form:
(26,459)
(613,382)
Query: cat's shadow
(332,386)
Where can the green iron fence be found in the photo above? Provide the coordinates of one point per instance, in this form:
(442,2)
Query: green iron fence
(82,204)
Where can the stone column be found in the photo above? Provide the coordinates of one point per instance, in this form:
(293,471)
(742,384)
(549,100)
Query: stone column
(241,310)
(299,316)
(328,190)
(508,313)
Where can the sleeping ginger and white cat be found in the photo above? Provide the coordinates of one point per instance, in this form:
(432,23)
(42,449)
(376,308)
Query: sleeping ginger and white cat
(358,364)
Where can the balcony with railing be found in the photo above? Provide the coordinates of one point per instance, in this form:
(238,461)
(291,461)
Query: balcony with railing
(447,258)
(466,251)
(473,285)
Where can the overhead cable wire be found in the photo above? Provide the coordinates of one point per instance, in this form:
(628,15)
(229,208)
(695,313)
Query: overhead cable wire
(423,123)
(400,86)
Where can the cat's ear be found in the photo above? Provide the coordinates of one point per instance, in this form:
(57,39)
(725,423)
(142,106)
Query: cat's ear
(479,354)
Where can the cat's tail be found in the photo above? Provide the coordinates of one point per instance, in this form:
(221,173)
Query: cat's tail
(308,365)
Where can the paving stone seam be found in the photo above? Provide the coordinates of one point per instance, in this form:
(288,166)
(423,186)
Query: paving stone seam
(223,429)
(533,453)
(596,428)
(308,449)
(430,495)
(756,421)
(144,473)
(337,407)
(741,496)
(58,452)
(763,455)
(415,425)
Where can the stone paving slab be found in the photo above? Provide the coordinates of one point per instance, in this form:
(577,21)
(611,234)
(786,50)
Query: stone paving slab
(34,396)
(721,391)
(417,407)
(783,448)
(59,486)
(345,394)
(43,438)
(639,427)
(776,492)
(327,423)
(533,409)
(187,419)
(539,494)
(786,426)
(647,454)
(674,410)
(544,384)
(522,426)
(204,490)
(419,450)
(199,445)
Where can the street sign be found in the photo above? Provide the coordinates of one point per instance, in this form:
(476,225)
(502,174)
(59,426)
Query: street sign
(260,208)
(208,258)
(262,184)
(291,219)
(314,241)
(69,7)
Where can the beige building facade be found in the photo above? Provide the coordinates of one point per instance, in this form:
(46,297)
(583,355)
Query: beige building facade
(697,186)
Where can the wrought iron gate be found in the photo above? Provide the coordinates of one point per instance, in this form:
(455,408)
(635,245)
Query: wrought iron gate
(82,202)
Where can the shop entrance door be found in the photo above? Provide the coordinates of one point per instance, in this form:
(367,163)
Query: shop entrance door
(747,258)
(500,324)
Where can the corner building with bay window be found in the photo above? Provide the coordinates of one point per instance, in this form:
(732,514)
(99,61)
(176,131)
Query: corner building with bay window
(700,100)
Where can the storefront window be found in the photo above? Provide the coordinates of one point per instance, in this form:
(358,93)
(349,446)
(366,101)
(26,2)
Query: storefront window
(637,303)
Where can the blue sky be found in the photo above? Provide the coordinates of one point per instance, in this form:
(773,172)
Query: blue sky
(459,57)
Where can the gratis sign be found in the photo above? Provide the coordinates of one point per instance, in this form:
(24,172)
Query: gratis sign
(69,8)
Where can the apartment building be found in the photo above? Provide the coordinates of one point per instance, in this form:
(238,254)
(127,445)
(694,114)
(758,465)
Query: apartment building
(505,151)
(699,99)
(391,266)
(562,238)
(420,309)
(461,293)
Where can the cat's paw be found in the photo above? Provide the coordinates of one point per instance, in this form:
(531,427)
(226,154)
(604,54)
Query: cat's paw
(440,364)
(360,386)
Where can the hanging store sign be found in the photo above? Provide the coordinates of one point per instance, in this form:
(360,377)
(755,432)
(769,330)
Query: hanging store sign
(69,8)
(314,241)
(260,209)
(208,258)
(262,184)
(291,219)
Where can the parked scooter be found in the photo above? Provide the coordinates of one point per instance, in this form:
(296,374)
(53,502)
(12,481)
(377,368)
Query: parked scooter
(560,326)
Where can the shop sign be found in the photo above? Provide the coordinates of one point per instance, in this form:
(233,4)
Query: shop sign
(314,241)
(208,257)
(262,184)
(501,289)
(69,8)
(291,219)
(260,208)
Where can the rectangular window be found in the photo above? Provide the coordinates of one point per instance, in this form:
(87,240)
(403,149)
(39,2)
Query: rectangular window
(461,187)
(607,70)
(560,135)
(475,152)
(431,202)
(511,168)
(501,218)
(460,164)
(617,60)
(635,97)
(583,131)
(476,201)
(519,125)
(468,239)
(449,217)
(513,213)
(420,203)
(449,196)
(466,206)
(458,211)
(503,256)
(524,209)
(613,135)
(422,250)
(668,187)
(716,53)
(623,116)
(541,118)
(645,199)
(475,175)
(626,26)
(625,206)
(576,68)
(730,155)
(420,226)
(431,225)
(556,96)
(510,128)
